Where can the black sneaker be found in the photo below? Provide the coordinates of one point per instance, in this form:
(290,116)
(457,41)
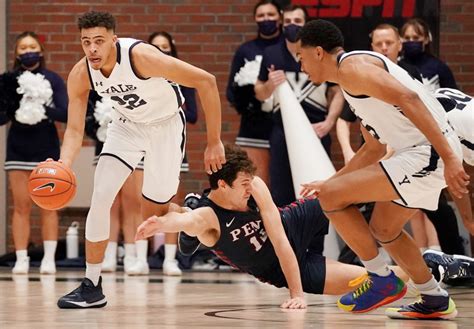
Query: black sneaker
(450,269)
(85,296)
(191,200)
(188,245)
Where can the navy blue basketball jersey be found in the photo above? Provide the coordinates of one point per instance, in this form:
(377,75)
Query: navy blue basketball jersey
(243,241)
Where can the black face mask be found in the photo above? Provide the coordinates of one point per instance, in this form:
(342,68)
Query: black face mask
(30,59)
(167,53)
(267,28)
(291,32)
(412,49)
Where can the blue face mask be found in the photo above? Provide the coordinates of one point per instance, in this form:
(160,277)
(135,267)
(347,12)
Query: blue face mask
(291,32)
(30,59)
(267,28)
(412,49)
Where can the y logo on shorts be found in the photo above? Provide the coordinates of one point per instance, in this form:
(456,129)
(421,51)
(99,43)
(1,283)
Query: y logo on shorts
(404,181)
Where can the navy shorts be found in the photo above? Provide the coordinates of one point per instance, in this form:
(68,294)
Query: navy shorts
(305,226)
(255,130)
(27,146)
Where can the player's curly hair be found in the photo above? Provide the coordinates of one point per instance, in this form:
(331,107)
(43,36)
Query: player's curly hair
(96,19)
(321,33)
(237,161)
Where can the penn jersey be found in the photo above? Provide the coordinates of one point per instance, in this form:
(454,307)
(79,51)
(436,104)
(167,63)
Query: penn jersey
(386,122)
(140,100)
(243,241)
(461,118)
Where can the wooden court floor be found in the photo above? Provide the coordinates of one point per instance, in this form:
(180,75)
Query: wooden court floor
(196,300)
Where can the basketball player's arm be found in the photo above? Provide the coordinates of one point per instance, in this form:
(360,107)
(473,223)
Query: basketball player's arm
(193,223)
(150,62)
(343,132)
(78,86)
(367,77)
(284,251)
(336,103)
(465,210)
(370,152)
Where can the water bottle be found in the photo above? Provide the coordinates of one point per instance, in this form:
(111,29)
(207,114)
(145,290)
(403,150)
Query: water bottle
(72,240)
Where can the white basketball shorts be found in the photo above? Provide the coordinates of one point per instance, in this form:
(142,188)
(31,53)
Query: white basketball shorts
(161,143)
(417,173)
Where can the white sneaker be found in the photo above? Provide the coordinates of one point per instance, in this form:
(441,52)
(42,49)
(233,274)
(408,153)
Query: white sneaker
(47,267)
(139,267)
(170,267)
(109,265)
(22,266)
(128,262)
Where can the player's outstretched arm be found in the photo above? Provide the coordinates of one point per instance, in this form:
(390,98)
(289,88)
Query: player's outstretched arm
(193,223)
(150,62)
(276,233)
(78,86)
(360,76)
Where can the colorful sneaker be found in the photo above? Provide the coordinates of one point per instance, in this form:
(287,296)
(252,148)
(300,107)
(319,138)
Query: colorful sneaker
(427,307)
(85,296)
(373,292)
(450,269)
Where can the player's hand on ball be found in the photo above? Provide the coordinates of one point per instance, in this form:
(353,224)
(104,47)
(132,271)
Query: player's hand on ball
(148,228)
(308,189)
(294,303)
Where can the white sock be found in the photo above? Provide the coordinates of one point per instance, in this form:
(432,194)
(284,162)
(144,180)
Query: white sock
(49,247)
(431,288)
(170,251)
(130,250)
(111,251)
(93,272)
(423,249)
(377,265)
(435,247)
(20,254)
(142,249)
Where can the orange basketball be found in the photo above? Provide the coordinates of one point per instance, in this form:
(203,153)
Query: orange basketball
(52,185)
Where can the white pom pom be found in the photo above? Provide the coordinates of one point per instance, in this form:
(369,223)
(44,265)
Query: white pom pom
(36,92)
(248,74)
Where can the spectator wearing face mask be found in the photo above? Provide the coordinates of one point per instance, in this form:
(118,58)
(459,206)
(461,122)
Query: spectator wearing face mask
(255,119)
(416,37)
(32,98)
(322,103)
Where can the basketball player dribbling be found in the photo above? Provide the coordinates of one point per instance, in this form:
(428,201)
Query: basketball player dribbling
(147,121)
(398,111)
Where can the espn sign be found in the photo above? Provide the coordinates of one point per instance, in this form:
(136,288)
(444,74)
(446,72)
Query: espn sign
(355,8)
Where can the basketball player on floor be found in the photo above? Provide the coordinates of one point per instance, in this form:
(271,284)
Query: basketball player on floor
(398,111)
(240,222)
(148,121)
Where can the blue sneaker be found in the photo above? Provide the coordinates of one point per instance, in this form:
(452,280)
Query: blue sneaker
(373,292)
(450,269)
(427,307)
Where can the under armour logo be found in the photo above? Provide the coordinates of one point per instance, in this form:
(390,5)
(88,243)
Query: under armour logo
(99,83)
(404,181)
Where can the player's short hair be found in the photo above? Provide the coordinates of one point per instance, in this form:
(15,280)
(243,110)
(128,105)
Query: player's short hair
(237,161)
(322,33)
(93,19)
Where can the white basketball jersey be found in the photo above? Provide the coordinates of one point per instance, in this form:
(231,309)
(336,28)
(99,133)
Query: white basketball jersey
(386,122)
(461,119)
(141,100)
